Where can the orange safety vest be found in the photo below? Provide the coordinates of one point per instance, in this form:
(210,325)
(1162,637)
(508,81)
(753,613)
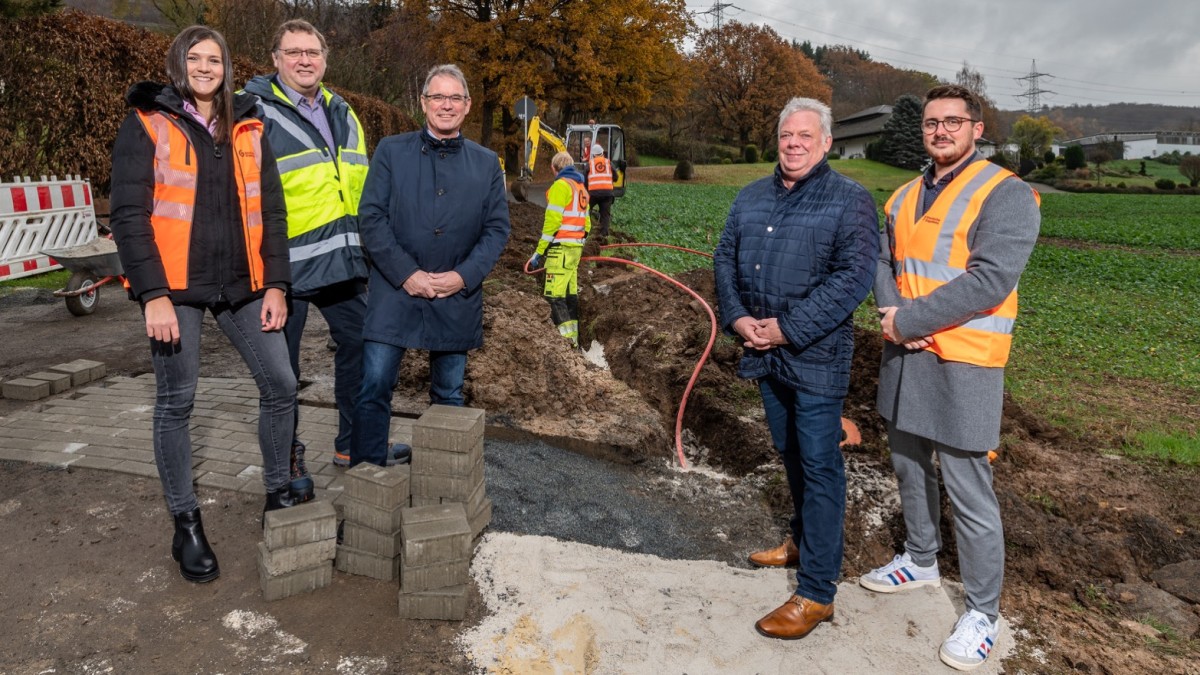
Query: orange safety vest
(175,177)
(599,174)
(930,252)
(574,226)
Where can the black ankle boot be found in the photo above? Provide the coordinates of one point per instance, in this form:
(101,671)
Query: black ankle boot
(278,499)
(190,548)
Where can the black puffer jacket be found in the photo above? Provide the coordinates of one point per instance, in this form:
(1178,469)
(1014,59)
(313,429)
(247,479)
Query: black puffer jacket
(218,268)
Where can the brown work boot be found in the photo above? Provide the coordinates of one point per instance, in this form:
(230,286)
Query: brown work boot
(783,555)
(794,619)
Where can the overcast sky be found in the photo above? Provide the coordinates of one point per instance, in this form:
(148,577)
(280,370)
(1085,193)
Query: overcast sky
(1091,51)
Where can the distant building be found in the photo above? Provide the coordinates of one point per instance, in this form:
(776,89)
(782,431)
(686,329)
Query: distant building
(853,133)
(1140,143)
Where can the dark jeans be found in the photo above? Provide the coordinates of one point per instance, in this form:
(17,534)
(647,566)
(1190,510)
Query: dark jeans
(603,207)
(807,430)
(381,370)
(344,307)
(176,372)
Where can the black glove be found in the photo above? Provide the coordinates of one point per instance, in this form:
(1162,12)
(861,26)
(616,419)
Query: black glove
(537,262)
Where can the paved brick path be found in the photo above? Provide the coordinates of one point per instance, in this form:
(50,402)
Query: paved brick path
(107,425)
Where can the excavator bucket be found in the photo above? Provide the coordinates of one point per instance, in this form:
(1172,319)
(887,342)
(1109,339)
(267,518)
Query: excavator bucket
(518,190)
(525,190)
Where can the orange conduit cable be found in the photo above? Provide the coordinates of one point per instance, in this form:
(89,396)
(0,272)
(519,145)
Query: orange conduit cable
(712,335)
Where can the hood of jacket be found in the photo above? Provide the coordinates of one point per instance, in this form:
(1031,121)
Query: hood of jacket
(147,96)
(570,173)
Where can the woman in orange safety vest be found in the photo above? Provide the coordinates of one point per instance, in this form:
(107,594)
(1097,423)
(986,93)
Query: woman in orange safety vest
(200,225)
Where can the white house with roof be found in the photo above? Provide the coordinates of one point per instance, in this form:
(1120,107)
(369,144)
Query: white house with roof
(853,133)
(1141,143)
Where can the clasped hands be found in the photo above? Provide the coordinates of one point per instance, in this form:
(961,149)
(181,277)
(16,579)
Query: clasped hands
(432,285)
(887,326)
(760,334)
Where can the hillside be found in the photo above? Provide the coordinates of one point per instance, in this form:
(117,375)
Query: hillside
(1077,121)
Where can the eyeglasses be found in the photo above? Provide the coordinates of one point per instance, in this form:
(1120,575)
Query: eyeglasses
(951,124)
(312,54)
(438,99)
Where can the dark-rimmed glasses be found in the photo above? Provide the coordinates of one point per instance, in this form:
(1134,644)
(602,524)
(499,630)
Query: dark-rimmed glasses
(951,124)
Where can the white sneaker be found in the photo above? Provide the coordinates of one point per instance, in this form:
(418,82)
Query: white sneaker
(971,642)
(900,575)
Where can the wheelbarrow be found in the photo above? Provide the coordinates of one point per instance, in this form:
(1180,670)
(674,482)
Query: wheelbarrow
(92,265)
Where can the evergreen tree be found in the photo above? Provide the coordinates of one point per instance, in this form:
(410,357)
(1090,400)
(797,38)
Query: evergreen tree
(902,143)
(15,9)
(1075,157)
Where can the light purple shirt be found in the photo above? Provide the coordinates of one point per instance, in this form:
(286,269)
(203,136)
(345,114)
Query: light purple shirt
(313,113)
(191,110)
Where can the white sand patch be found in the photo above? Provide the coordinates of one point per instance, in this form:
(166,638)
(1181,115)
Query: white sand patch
(8,506)
(260,634)
(561,608)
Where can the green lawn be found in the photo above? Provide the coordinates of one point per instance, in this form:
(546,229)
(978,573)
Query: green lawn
(1109,327)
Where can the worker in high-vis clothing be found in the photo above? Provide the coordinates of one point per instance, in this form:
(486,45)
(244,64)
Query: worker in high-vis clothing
(564,232)
(600,190)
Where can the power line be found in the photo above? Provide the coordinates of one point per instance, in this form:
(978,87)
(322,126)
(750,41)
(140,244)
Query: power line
(1033,92)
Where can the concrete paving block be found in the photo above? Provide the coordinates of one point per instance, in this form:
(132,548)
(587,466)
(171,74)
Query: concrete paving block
(357,511)
(386,488)
(292,558)
(415,579)
(422,500)
(429,542)
(353,561)
(363,538)
(457,488)
(481,518)
(97,369)
(59,382)
(303,524)
(294,583)
(428,461)
(25,389)
(449,428)
(81,373)
(443,604)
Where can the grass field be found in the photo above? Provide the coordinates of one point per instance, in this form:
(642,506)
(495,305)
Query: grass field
(1108,340)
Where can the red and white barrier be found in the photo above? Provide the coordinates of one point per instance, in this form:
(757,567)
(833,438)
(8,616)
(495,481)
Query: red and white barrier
(35,216)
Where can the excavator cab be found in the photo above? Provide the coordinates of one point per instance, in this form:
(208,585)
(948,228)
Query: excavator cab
(580,139)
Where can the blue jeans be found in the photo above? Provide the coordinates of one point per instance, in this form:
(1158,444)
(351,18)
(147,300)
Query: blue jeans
(344,307)
(176,372)
(807,431)
(381,370)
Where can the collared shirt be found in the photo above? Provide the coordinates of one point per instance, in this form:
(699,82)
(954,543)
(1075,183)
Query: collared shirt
(934,186)
(314,113)
(190,109)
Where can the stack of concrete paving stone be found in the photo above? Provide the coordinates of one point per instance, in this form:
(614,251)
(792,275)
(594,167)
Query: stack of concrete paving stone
(372,504)
(55,380)
(434,562)
(447,462)
(298,545)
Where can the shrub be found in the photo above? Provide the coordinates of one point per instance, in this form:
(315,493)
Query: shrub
(726,160)
(1047,174)
(834,155)
(1121,185)
(1164,184)
(684,170)
(750,154)
(770,155)
(1049,157)
(1000,158)
(1075,157)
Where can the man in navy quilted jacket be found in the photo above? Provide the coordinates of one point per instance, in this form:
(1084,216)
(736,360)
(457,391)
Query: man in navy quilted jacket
(796,258)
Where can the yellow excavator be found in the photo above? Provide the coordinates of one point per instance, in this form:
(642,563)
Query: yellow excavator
(578,141)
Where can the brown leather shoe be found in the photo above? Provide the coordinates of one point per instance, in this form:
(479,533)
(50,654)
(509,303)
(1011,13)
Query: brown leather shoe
(794,619)
(783,555)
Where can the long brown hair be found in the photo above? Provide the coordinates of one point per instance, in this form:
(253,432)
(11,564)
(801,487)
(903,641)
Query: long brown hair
(177,72)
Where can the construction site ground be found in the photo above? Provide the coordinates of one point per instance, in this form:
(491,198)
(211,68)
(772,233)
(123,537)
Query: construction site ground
(602,555)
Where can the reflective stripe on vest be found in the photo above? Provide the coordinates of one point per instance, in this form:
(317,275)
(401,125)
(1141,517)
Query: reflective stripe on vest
(929,252)
(574,215)
(175,178)
(599,174)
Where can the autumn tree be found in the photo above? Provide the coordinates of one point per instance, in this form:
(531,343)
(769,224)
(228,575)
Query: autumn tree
(748,75)
(973,80)
(903,142)
(1189,166)
(588,58)
(859,83)
(1033,136)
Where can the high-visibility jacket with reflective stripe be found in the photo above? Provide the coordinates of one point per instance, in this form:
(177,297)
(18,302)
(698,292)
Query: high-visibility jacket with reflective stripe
(600,175)
(566,221)
(175,177)
(322,186)
(929,252)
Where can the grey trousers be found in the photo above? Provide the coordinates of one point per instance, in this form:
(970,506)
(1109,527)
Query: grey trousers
(977,526)
(176,374)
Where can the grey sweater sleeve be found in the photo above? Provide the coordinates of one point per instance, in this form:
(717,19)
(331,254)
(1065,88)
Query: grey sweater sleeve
(1000,242)
(886,293)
